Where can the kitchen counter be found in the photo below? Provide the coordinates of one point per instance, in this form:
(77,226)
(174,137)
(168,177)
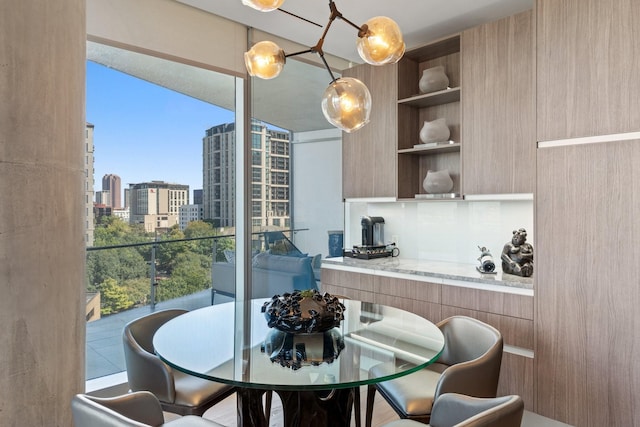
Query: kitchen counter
(433,271)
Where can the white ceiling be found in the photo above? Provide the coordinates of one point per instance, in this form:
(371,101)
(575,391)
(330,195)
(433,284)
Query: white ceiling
(292,100)
(419,20)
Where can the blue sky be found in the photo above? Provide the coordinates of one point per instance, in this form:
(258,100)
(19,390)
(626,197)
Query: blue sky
(144,132)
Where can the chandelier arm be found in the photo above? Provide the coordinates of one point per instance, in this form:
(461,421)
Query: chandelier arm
(326,65)
(312,49)
(362,31)
(335,13)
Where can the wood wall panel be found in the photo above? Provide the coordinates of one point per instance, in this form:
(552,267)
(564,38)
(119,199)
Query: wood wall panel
(428,310)
(392,286)
(394,301)
(489,301)
(425,291)
(517,377)
(588,68)
(498,106)
(328,276)
(587,288)
(369,155)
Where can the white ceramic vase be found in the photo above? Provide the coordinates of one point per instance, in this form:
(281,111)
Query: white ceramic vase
(433,79)
(435,131)
(437,182)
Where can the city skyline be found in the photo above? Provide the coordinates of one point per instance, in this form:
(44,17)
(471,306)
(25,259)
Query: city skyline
(144,132)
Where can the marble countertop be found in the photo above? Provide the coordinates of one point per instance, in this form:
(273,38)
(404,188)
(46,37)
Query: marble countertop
(430,269)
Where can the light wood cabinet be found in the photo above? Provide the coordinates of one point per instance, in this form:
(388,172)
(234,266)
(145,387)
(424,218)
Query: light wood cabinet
(368,154)
(498,106)
(588,68)
(587,286)
(415,108)
(586,212)
(511,314)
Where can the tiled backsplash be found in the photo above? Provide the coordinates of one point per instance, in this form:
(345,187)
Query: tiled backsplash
(444,230)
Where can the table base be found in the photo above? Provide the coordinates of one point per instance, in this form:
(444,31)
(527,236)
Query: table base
(300,408)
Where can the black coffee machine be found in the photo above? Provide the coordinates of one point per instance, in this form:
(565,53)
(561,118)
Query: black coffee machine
(372,231)
(373,245)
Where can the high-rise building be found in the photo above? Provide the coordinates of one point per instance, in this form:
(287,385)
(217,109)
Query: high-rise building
(269,175)
(122,213)
(127,203)
(103,197)
(156,204)
(112,183)
(88,185)
(189,213)
(197,197)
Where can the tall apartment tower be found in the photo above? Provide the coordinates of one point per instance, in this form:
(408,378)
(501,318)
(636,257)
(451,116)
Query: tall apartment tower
(126,198)
(197,197)
(156,204)
(112,183)
(269,175)
(88,185)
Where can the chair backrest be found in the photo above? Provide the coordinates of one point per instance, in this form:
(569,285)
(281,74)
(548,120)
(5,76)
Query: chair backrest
(140,409)
(458,410)
(145,370)
(473,354)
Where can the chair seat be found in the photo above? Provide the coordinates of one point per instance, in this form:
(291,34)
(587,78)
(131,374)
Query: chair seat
(137,409)
(195,391)
(192,421)
(405,423)
(413,393)
(177,392)
(457,410)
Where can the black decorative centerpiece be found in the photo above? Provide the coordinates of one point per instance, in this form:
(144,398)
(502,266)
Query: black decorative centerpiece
(303,331)
(305,311)
(296,350)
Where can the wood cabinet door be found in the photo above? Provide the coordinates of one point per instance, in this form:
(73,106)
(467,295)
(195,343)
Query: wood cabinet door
(498,107)
(369,154)
(587,287)
(588,67)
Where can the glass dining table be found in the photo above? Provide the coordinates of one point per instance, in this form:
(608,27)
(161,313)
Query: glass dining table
(316,375)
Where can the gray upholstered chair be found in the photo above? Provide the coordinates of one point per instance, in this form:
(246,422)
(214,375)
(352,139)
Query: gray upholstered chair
(139,409)
(469,364)
(177,392)
(458,410)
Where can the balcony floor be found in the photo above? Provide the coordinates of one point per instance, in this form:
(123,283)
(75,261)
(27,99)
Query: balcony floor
(104,353)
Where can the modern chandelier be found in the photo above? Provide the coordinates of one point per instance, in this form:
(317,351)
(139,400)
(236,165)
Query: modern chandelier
(346,103)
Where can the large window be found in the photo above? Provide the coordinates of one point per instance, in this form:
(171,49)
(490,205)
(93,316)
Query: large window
(169,125)
(148,122)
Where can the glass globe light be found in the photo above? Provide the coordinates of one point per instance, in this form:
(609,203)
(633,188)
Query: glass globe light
(263,5)
(382,43)
(265,60)
(346,104)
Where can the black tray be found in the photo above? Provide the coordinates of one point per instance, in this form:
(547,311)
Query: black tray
(361,255)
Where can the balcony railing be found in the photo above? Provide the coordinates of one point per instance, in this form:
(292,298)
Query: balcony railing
(127,281)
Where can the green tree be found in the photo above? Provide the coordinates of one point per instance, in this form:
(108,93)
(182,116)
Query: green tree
(168,252)
(138,290)
(112,230)
(113,298)
(120,264)
(197,229)
(120,267)
(191,274)
(222,244)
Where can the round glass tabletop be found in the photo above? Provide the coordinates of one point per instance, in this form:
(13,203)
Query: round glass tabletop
(231,343)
